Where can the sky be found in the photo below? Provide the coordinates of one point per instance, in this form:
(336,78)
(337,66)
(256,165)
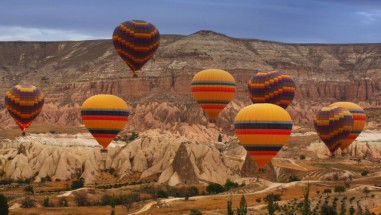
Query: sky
(294,21)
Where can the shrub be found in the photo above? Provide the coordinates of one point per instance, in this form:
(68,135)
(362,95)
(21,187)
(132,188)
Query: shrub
(302,157)
(47,203)
(230,184)
(364,173)
(3,205)
(195,211)
(29,189)
(214,188)
(161,194)
(62,202)
(27,202)
(339,189)
(220,138)
(81,198)
(293,178)
(76,184)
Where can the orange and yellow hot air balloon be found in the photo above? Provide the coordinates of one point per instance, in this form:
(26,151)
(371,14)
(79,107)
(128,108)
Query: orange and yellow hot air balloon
(213,89)
(359,121)
(262,130)
(333,125)
(24,103)
(104,116)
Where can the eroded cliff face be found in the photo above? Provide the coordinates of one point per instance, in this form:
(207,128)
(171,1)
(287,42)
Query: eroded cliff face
(70,72)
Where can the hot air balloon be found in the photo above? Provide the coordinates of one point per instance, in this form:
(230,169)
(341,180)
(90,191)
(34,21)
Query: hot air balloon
(262,130)
(272,87)
(213,89)
(24,102)
(136,42)
(333,125)
(104,116)
(359,121)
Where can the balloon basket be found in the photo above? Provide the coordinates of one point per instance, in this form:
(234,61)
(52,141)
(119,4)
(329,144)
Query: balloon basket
(23,133)
(134,75)
(104,150)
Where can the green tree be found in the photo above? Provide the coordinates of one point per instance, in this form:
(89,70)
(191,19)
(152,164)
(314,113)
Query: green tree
(343,208)
(230,206)
(366,191)
(328,210)
(364,173)
(29,189)
(27,202)
(133,136)
(352,210)
(230,184)
(307,202)
(47,203)
(3,205)
(271,205)
(76,184)
(214,188)
(161,194)
(242,210)
(220,138)
(327,191)
(339,189)
(195,211)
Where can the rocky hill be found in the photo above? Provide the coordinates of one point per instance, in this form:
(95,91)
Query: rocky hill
(69,72)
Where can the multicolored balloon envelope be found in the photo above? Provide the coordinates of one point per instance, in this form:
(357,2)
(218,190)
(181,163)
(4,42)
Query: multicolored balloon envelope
(333,125)
(262,130)
(104,116)
(359,121)
(272,87)
(213,89)
(136,42)
(24,102)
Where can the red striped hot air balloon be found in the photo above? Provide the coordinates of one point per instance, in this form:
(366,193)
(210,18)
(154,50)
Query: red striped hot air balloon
(333,125)
(213,89)
(272,87)
(136,41)
(24,103)
(359,121)
(104,116)
(262,130)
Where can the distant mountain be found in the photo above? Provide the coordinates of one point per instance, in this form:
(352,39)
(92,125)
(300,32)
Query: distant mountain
(69,72)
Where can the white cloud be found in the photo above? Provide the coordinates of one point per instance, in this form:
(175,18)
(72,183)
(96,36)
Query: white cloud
(18,33)
(369,17)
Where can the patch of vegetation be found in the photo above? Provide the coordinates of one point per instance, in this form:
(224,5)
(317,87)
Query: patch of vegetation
(126,138)
(293,178)
(76,184)
(27,202)
(230,184)
(195,211)
(29,189)
(339,166)
(214,188)
(364,173)
(3,205)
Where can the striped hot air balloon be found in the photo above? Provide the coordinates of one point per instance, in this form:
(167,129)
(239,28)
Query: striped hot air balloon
(24,102)
(136,42)
(213,89)
(359,121)
(272,87)
(333,125)
(104,116)
(262,130)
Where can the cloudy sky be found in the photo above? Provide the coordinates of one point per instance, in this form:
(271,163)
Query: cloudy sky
(317,21)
